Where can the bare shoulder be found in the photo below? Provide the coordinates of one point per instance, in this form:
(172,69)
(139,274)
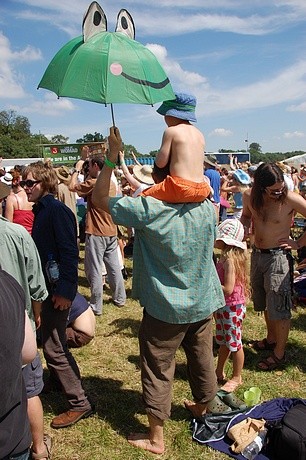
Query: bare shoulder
(296,201)
(246,195)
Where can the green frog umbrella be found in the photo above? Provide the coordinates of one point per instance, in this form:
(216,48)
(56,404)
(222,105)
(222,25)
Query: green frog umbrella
(107,67)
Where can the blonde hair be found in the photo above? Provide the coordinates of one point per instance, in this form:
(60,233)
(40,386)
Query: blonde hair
(240,259)
(45,173)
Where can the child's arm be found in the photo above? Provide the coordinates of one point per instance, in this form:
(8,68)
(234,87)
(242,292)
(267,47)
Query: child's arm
(134,158)
(229,277)
(129,177)
(163,156)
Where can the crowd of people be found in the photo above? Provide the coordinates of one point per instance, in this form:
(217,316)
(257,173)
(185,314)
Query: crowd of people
(170,217)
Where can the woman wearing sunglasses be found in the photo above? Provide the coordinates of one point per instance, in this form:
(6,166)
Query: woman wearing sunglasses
(18,208)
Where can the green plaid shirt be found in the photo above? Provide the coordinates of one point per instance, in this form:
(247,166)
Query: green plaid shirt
(19,257)
(174,276)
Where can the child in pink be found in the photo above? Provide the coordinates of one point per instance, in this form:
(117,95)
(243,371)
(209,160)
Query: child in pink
(232,270)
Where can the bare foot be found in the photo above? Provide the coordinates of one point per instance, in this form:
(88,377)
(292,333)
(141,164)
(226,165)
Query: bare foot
(231,385)
(142,441)
(196,409)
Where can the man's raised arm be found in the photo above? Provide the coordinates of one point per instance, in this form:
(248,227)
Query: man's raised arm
(100,194)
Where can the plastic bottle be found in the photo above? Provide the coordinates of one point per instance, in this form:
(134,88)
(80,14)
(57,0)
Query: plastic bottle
(52,269)
(252,450)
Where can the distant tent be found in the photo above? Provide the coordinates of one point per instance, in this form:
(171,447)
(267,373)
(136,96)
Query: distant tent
(296,161)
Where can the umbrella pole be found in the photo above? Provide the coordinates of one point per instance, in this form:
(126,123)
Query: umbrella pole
(112,112)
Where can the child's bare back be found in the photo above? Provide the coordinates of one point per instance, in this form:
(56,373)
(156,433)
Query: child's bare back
(184,145)
(182,151)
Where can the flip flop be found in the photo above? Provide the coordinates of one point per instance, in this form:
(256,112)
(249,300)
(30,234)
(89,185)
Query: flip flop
(230,386)
(262,345)
(231,400)
(272,363)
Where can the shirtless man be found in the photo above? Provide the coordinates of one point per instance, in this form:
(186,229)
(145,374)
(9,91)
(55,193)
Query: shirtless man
(183,146)
(272,206)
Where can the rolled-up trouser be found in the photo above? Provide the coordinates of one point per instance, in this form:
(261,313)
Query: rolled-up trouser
(158,343)
(61,363)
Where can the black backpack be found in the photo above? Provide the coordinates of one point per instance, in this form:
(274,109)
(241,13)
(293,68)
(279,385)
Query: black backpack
(287,439)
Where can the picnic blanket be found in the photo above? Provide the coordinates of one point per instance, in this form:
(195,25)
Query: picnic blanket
(211,429)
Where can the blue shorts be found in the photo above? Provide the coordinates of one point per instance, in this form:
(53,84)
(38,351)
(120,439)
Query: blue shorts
(33,377)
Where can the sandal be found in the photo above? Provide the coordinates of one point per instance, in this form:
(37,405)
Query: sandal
(262,345)
(47,453)
(271,363)
(217,406)
(231,400)
(230,386)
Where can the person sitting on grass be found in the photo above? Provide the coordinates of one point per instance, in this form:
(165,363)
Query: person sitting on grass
(232,270)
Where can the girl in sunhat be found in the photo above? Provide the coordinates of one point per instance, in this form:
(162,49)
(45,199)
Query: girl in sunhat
(232,269)
(237,184)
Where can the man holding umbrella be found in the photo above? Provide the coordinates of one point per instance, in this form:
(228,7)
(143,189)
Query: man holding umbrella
(176,282)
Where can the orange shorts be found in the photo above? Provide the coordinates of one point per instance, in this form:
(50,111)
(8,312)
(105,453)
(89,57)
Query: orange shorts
(177,190)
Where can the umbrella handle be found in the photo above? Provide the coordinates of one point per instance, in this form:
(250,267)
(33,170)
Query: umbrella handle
(112,112)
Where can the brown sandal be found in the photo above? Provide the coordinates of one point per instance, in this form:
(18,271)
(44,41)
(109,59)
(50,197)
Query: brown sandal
(262,345)
(271,363)
(47,453)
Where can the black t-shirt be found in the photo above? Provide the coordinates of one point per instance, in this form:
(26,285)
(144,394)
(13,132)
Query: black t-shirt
(15,434)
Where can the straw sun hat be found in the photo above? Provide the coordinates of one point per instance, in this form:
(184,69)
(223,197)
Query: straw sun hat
(143,174)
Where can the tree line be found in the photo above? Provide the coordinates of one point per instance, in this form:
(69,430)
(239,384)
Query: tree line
(17,141)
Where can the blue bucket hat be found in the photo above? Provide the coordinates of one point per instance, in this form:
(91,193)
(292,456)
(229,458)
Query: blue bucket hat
(183,107)
(242,177)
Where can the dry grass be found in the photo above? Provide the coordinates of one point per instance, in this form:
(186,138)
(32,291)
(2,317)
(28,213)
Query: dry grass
(111,377)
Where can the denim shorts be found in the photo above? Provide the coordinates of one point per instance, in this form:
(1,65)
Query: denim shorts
(33,377)
(25,455)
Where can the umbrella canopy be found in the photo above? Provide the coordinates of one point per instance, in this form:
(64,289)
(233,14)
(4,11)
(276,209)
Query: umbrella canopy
(107,67)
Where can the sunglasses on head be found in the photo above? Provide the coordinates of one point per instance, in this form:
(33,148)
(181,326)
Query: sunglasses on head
(28,183)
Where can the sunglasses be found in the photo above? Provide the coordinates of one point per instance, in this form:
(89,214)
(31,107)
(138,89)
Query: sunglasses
(276,192)
(28,183)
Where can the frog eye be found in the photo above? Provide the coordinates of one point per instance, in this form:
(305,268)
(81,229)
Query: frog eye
(94,21)
(125,24)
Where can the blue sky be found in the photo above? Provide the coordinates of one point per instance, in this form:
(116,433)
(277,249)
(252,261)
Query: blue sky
(244,60)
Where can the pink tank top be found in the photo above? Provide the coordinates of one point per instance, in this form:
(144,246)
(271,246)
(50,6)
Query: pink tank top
(237,297)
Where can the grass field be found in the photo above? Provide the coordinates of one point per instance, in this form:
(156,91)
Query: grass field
(111,376)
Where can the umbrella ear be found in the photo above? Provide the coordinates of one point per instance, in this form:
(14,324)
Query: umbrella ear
(125,24)
(94,21)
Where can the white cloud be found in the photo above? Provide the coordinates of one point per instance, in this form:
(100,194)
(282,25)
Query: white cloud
(295,134)
(169,17)
(221,132)
(287,86)
(11,82)
(50,105)
(297,108)
(183,79)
